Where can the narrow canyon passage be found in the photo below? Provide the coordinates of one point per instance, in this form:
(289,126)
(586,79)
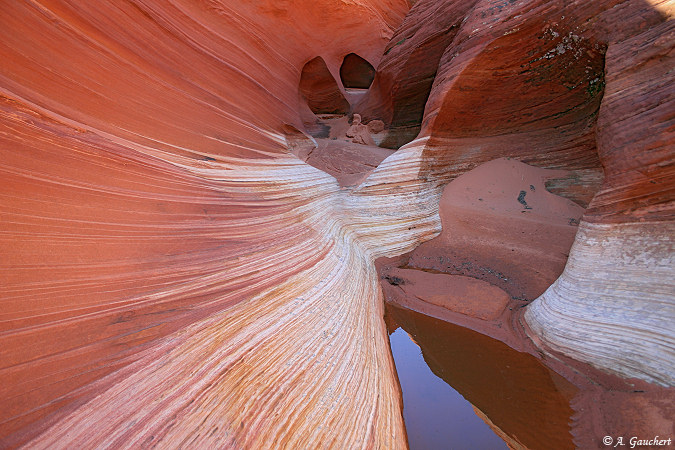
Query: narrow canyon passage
(206,206)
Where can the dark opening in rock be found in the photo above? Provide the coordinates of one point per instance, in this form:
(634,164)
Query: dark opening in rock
(320,90)
(356,72)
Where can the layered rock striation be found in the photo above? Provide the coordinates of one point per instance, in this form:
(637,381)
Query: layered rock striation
(577,86)
(174,275)
(164,255)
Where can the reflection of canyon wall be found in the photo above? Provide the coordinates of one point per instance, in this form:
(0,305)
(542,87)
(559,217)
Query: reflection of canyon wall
(582,86)
(523,399)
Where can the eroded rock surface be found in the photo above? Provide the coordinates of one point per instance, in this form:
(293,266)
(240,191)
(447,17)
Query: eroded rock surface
(576,86)
(356,72)
(160,243)
(320,90)
(173,273)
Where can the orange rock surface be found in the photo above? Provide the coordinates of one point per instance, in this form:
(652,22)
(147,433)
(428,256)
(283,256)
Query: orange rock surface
(320,90)
(578,86)
(144,200)
(174,274)
(502,226)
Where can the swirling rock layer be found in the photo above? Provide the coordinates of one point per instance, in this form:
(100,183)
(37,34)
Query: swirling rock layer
(173,276)
(156,231)
(577,86)
(612,306)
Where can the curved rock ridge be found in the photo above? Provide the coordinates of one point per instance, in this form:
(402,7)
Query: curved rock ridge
(320,90)
(405,75)
(208,383)
(282,367)
(627,236)
(172,275)
(159,241)
(613,305)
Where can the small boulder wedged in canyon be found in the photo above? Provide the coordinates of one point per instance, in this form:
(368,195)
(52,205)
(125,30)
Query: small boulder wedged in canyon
(359,133)
(375,126)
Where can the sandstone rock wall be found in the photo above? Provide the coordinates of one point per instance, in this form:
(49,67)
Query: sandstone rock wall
(582,86)
(149,205)
(627,238)
(173,275)
(320,90)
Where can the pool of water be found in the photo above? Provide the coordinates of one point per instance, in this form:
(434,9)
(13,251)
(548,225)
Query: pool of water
(435,414)
(464,390)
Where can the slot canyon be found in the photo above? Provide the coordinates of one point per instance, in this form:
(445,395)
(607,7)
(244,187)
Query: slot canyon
(220,218)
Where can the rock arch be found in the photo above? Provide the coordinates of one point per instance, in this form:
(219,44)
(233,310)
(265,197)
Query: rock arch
(320,90)
(356,72)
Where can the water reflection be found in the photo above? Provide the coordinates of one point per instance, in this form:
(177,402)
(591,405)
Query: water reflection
(436,415)
(523,402)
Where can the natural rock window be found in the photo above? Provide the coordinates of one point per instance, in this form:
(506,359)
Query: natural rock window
(356,72)
(320,90)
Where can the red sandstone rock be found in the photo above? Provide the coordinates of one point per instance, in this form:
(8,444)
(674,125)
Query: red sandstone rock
(550,123)
(464,295)
(408,67)
(501,226)
(356,72)
(359,133)
(580,86)
(527,81)
(375,126)
(636,130)
(164,261)
(320,90)
(122,127)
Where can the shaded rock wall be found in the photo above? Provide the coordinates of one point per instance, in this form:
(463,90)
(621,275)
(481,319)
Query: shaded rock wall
(406,73)
(356,72)
(627,239)
(580,86)
(320,90)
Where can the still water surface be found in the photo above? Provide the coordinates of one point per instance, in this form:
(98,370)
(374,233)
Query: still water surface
(434,413)
(465,390)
